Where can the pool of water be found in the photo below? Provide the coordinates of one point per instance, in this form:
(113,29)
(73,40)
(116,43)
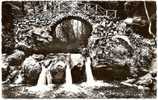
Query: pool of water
(83,90)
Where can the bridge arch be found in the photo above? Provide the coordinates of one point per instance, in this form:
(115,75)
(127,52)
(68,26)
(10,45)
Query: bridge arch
(84,19)
(82,40)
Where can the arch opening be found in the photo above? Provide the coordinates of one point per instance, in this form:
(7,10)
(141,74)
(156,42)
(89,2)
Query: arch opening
(71,34)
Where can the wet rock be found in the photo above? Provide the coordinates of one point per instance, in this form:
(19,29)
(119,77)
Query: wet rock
(5,64)
(58,63)
(11,65)
(58,72)
(12,75)
(16,58)
(78,74)
(55,64)
(31,68)
(78,68)
(121,46)
(148,80)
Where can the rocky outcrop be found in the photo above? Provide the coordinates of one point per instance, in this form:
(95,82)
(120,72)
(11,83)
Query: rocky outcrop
(145,83)
(16,58)
(31,68)
(56,64)
(118,45)
(12,65)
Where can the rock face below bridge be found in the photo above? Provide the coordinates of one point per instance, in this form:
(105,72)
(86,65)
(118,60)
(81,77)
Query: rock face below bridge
(31,67)
(117,52)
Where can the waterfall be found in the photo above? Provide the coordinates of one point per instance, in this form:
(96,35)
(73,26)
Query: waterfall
(42,77)
(88,69)
(45,75)
(68,75)
(19,79)
(49,77)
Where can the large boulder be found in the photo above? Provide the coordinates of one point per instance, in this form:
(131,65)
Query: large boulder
(58,72)
(57,66)
(77,68)
(121,50)
(11,65)
(16,58)
(31,68)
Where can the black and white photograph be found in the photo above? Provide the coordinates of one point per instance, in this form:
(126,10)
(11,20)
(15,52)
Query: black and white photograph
(78,49)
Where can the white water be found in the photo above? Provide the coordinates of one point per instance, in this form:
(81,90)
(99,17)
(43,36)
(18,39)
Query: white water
(68,76)
(90,82)
(42,77)
(41,87)
(45,76)
(19,79)
(49,77)
(89,74)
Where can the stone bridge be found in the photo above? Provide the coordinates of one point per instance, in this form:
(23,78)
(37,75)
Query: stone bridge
(85,12)
(113,53)
(47,21)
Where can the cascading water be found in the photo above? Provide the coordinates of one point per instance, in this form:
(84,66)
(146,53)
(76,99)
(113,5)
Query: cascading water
(42,77)
(90,82)
(49,77)
(68,76)
(68,87)
(45,75)
(88,69)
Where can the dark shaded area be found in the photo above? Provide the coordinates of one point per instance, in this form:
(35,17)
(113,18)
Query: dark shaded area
(7,28)
(59,80)
(137,9)
(111,72)
(78,74)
